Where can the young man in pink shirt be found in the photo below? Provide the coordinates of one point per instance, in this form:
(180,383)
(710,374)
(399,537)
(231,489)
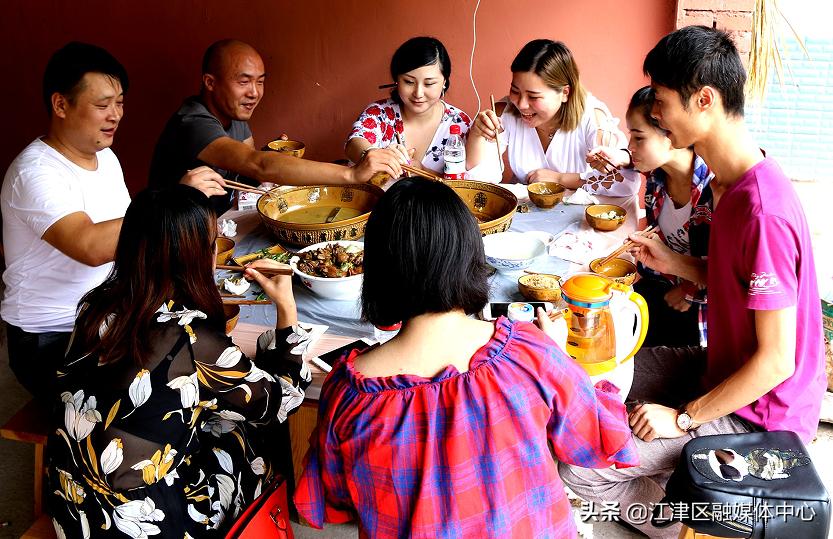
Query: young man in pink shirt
(764,368)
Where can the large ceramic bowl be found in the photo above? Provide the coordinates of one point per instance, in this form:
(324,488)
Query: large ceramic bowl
(345,288)
(492,205)
(512,251)
(298,216)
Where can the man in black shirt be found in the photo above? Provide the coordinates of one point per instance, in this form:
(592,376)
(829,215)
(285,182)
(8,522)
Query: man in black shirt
(211,129)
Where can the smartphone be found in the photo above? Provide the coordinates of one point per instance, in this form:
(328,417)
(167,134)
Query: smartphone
(494,310)
(326,360)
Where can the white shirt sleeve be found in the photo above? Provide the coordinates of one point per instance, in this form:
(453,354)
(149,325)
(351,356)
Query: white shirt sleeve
(42,196)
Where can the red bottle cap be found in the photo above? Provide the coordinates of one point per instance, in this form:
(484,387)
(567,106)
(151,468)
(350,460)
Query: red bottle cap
(395,327)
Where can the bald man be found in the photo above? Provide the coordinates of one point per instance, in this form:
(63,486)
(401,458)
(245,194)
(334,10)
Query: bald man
(211,129)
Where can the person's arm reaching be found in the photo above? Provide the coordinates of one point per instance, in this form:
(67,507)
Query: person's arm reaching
(204,179)
(239,157)
(653,253)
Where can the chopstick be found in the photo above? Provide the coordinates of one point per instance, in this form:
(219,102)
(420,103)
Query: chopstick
(627,245)
(497,142)
(246,301)
(287,270)
(238,186)
(424,173)
(606,160)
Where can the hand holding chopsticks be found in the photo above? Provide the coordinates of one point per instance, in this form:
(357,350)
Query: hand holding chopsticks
(422,172)
(237,186)
(281,269)
(627,245)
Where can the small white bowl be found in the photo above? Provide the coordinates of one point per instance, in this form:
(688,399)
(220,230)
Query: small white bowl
(512,251)
(344,288)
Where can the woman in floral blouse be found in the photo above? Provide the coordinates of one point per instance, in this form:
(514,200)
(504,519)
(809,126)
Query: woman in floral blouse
(415,111)
(157,429)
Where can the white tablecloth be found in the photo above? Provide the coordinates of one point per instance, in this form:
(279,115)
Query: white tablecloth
(343,317)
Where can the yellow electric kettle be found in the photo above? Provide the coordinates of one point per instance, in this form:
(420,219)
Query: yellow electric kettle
(606,322)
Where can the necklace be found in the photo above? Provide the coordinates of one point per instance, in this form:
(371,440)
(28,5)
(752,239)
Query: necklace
(549,135)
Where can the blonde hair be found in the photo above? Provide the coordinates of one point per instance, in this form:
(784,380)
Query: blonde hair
(554,63)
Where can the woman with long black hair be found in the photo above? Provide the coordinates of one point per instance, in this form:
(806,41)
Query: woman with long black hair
(155,433)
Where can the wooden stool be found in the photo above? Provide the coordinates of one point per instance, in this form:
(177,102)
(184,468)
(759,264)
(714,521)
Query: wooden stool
(31,425)
(41,529)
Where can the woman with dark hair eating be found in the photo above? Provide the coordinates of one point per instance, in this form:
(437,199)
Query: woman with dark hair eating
(447,429)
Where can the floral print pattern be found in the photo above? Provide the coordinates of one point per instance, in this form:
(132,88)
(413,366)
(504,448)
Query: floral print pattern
(170,448)
(380,121)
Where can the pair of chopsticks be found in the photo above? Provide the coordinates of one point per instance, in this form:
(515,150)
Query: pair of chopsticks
(424,173)
(497,142)
(269,272)
(627,245)
(237,186)
(607,161)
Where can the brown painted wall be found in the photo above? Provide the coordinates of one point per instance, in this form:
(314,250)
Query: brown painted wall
(324,58)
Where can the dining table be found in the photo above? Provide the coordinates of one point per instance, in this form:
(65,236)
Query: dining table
(343,318)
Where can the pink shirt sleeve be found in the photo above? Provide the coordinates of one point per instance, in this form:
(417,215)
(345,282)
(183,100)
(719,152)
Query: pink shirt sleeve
(771,258)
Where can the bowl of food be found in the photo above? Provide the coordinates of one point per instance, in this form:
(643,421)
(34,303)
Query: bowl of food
(310,214)
(232,313)
(225,248)
(617,269)
(605,217)
(289,147)
(540,287)
(331,269)
(512,251)
(492,205)
(545,194)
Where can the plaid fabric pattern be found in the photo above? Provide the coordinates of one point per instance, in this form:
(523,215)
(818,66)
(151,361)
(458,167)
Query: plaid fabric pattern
(461,454)
(697,226)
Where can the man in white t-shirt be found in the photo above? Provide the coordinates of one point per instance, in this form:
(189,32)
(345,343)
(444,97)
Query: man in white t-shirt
(62,202)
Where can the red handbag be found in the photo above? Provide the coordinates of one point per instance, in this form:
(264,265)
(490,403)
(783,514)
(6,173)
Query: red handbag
(267,516)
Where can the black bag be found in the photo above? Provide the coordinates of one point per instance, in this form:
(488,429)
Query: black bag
(758,484)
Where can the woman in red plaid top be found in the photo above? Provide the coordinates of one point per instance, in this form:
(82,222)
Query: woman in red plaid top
(449,429)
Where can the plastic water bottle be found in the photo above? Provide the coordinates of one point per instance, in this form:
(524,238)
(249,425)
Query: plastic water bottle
(383,334)
(454,154)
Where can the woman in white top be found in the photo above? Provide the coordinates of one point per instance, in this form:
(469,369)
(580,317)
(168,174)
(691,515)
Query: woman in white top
(551,128)
(415,121)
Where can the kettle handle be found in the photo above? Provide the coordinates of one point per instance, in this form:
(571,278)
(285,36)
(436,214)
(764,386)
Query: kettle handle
(638,304)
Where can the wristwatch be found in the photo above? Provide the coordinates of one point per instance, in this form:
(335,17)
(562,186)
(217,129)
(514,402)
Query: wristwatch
(684,421)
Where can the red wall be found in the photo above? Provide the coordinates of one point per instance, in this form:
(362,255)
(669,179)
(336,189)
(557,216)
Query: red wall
(324,59)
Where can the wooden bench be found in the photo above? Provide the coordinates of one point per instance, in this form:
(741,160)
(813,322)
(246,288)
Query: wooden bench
(31,424)
(688,533)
